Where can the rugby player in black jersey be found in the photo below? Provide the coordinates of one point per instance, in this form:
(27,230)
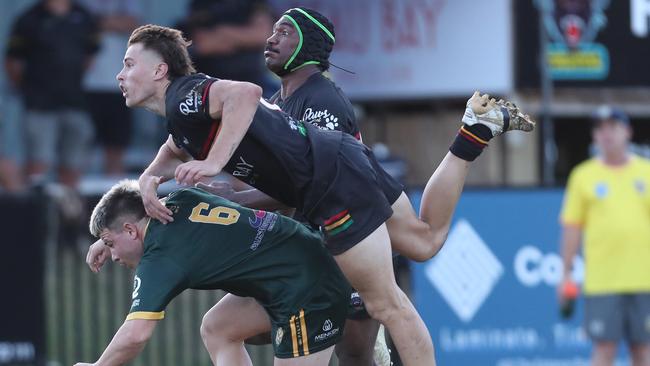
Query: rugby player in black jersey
(220,125)
(308,95)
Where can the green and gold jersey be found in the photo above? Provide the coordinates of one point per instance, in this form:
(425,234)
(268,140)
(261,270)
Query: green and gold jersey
(217,244)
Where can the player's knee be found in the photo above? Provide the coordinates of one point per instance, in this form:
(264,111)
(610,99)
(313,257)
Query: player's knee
(388,307)
(212,331)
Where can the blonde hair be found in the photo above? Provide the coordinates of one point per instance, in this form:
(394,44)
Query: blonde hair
(121,203)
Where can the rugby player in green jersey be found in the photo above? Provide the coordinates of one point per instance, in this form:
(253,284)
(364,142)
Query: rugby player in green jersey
(214,243)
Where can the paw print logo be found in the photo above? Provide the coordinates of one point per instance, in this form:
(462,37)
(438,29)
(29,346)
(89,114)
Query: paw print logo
(331,122)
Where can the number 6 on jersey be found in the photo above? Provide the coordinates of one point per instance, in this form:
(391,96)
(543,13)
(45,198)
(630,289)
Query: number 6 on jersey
(219,215)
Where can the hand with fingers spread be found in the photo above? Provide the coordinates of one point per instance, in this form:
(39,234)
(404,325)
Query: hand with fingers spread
(149,191)
(98,254)
(193,171)
(222,189)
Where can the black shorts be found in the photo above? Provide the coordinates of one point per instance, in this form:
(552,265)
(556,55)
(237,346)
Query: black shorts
(111,117)
(357,198)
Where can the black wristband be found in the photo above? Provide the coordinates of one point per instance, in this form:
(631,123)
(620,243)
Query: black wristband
(470,141)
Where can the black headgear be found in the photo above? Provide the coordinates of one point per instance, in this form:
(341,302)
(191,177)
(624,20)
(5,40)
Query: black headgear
(316,34)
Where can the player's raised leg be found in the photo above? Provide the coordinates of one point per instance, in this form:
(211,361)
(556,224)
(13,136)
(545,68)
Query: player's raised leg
(225,344)
(365,265)
(421,238)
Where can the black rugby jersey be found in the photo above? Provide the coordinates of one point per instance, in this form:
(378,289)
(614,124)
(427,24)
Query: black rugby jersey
(275,156)
(320,102)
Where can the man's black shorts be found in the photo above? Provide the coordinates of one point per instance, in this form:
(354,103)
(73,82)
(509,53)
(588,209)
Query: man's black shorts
(357,198)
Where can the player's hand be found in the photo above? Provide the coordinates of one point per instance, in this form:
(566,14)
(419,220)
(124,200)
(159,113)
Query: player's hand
(98,254)
(149,190)
(193,171)
(222,189)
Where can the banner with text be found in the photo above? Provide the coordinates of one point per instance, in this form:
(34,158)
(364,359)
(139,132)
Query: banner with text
(489,296)
(401,49)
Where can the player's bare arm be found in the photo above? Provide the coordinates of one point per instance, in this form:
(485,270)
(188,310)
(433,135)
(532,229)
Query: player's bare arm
(234,103)
(570,245)
(127,343)
(98,254)
(160,170)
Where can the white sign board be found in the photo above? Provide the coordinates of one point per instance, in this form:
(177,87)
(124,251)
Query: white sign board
(402,49)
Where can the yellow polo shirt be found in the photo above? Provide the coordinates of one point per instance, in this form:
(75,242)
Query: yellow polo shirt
(612,206)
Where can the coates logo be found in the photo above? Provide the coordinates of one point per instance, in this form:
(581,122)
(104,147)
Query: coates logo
(191,103)
(464,252)
(573,21)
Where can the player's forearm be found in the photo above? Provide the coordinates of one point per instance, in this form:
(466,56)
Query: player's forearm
(571,236)
(239,106)
(124,347)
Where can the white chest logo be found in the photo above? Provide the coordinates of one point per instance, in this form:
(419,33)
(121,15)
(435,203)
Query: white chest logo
(190,104)
(323,119)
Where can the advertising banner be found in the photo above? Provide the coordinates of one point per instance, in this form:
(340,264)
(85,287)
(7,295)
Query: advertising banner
(590,42)
(402,49)
(489,296)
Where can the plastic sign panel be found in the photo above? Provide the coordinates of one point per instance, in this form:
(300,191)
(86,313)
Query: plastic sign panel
(489,296)
(401,49)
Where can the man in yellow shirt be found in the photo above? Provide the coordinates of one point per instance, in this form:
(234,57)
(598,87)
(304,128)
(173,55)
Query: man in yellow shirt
(607,207)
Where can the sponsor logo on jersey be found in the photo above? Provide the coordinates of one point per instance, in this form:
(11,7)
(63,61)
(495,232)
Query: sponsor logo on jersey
(297,126)
(262,221)
(322,119)
(190,104)
(135,303)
